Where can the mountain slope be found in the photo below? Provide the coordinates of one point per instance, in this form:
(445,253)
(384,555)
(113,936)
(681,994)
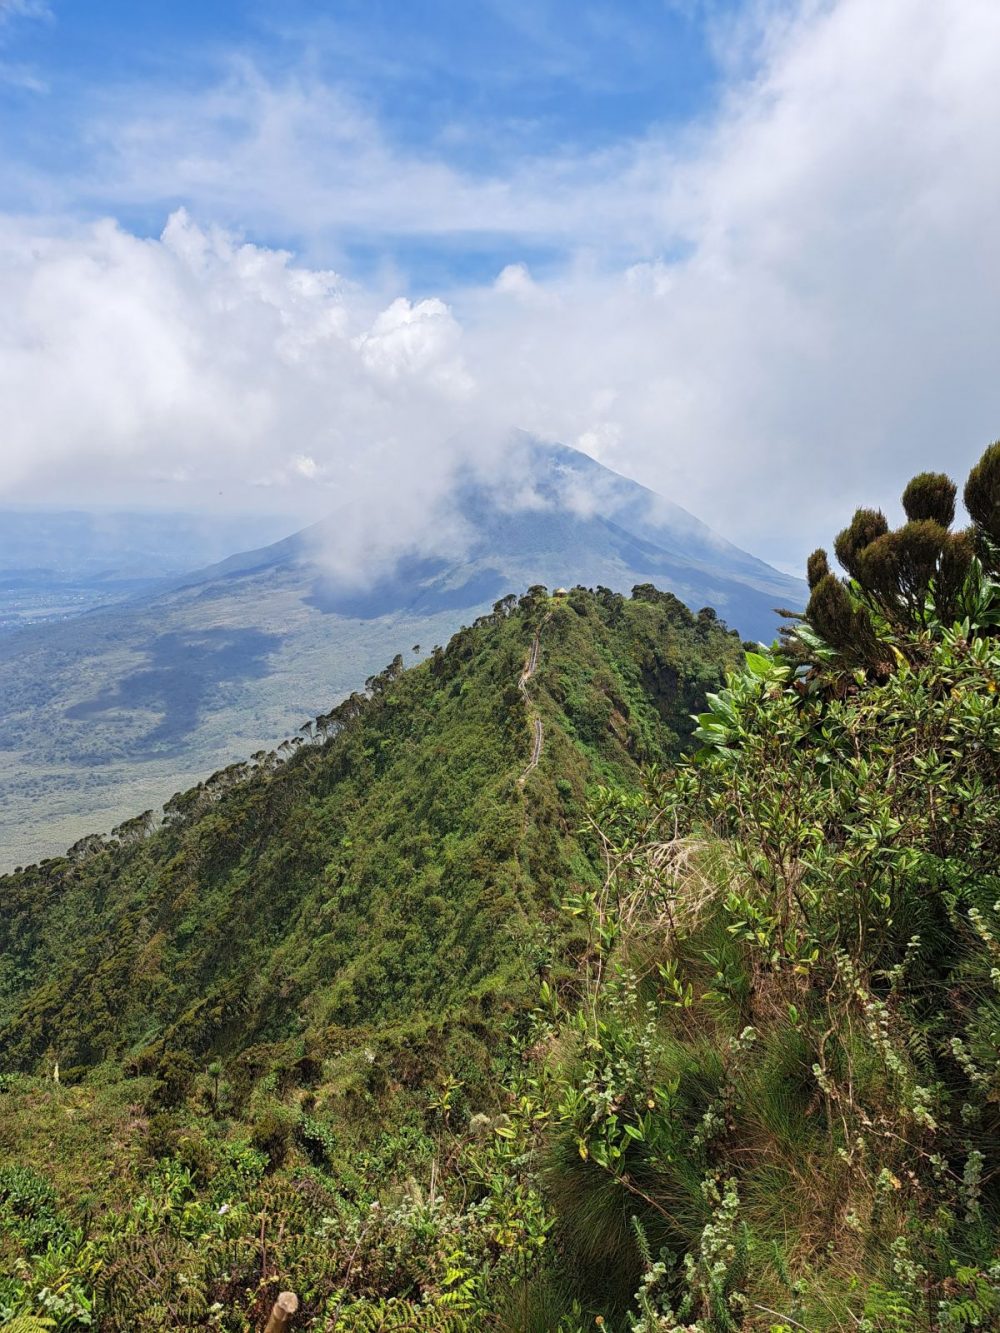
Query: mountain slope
(560,517)
(245,1032)
(56,564)
(378,876)
(119,708)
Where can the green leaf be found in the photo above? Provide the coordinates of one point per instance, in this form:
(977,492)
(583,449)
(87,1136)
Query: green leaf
(758,665)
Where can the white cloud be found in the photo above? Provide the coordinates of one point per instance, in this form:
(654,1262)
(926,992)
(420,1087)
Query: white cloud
(305,466)
(193,367)
(515,281)
(830,327)
(418,341)
(782,314)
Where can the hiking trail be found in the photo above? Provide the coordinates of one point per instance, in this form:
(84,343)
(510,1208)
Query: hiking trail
(530,667)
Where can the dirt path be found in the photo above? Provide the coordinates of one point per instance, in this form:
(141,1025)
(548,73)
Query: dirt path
(530,667)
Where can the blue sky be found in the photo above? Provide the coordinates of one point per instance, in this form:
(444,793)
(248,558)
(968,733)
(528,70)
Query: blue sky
(479,86)
(284,256)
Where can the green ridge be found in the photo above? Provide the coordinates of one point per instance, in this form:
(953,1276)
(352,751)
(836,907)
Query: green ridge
(372,881)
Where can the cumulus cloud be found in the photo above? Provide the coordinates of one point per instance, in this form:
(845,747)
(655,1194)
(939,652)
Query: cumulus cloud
(784,313)
(197,368)
(416,340)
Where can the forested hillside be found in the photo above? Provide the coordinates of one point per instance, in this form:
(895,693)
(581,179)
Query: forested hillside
(389,866)
(349,924)
(439,1040)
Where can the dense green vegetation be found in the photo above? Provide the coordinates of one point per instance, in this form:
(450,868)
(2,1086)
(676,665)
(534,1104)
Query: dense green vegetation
(300,995)
(637,1044)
